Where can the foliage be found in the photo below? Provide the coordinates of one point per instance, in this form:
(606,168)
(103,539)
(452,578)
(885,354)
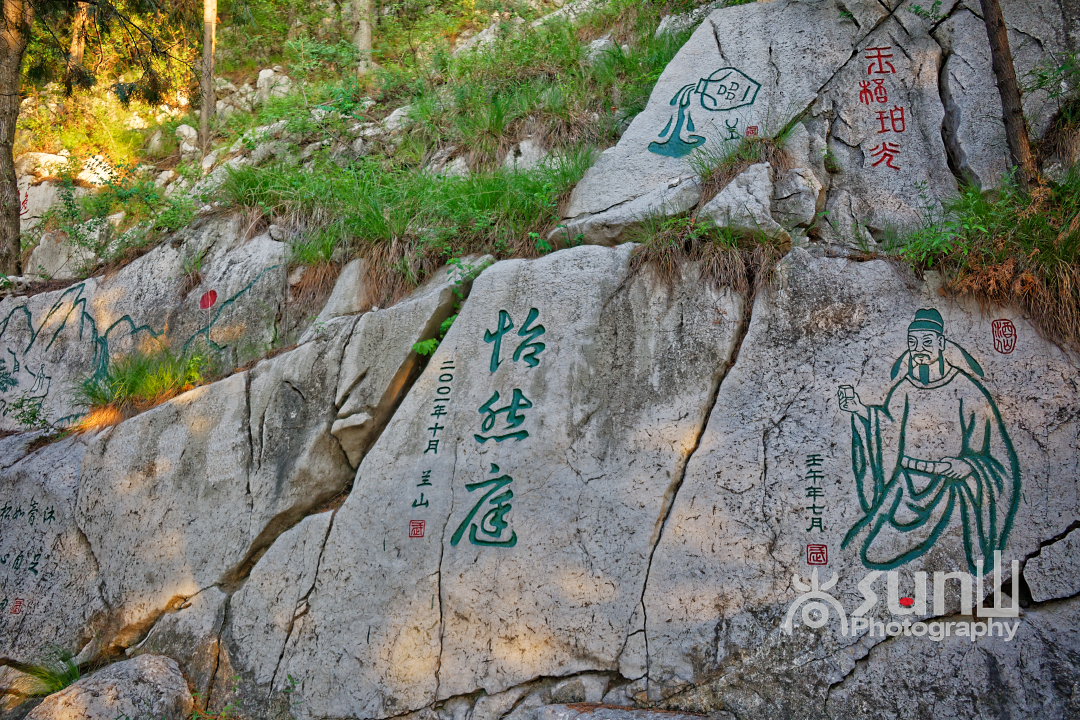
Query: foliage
(143,379)
(1007,247)
(407,222)
(1058,78)
(536,81)
(429,346)
(29,412)
(716,167)
(84,220)
(741,260)
(932,13)
(138,55)
(52,675)
(308,56)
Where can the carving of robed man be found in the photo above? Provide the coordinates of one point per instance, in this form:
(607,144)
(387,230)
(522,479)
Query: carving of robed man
(934,454)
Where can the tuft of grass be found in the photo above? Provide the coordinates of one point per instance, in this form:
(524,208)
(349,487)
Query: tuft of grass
(1059,78)
(1007,247)
(141,380)
(718,166)
(40,679)
(537,81)
(406,222)
(148,214)
(741,260)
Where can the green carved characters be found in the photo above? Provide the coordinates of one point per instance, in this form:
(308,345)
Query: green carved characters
(486,522)
(933,455)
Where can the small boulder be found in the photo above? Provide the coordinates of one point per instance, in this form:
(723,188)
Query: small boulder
(97,170)
(39,165)
(746,203)
(398,119)
(189,142)
(271,84)
(156,144)
(598,47)
(187,134)
(148,686)
(526,155)
(209,160)
(797,197)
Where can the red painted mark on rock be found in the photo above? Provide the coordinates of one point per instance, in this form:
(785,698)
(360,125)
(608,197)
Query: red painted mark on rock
(1004,335)
(907,601)
(208,299)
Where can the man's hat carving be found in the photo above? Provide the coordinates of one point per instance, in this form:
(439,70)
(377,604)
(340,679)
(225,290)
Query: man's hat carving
(927,319)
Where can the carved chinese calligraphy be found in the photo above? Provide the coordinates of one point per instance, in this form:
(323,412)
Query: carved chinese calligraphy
(440,403)
(890,120)
(503,418)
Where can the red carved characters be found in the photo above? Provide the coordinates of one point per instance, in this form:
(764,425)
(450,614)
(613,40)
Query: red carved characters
(416,528)
(1004,336)
(879,60)
(817,554)
(873,90)
(892,120)
(886,152)
(878,93)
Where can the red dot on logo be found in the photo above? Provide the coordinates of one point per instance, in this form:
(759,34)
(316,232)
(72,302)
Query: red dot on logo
(907,602)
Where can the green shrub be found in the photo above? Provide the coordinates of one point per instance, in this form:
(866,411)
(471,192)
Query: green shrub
(1009,247)
(51,675)
(143,379)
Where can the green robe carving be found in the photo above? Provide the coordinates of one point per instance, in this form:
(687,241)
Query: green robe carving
(896,451)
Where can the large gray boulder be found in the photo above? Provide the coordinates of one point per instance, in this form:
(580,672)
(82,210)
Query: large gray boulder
(46,556)
(112,531)
(149,686)
(750,62)
(398,573)
(56,339)
(345,531)
(747,527)
(900,106)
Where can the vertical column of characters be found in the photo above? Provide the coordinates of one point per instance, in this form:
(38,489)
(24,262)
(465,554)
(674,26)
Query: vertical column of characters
(27,560)
(502,419)
(417,525)
(816,553)
(891,121)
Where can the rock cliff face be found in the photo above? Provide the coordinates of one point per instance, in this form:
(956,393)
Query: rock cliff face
(602,487)
(885,106)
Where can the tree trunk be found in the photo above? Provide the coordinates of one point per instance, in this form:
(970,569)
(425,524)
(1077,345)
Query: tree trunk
(14,34)
(208,101)
(78,43)
(364,12)
(1016,131)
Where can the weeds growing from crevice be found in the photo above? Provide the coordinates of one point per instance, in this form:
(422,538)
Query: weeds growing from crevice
(406,223)
(139,381)
(51,675)
(1008,247)
(743,261)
